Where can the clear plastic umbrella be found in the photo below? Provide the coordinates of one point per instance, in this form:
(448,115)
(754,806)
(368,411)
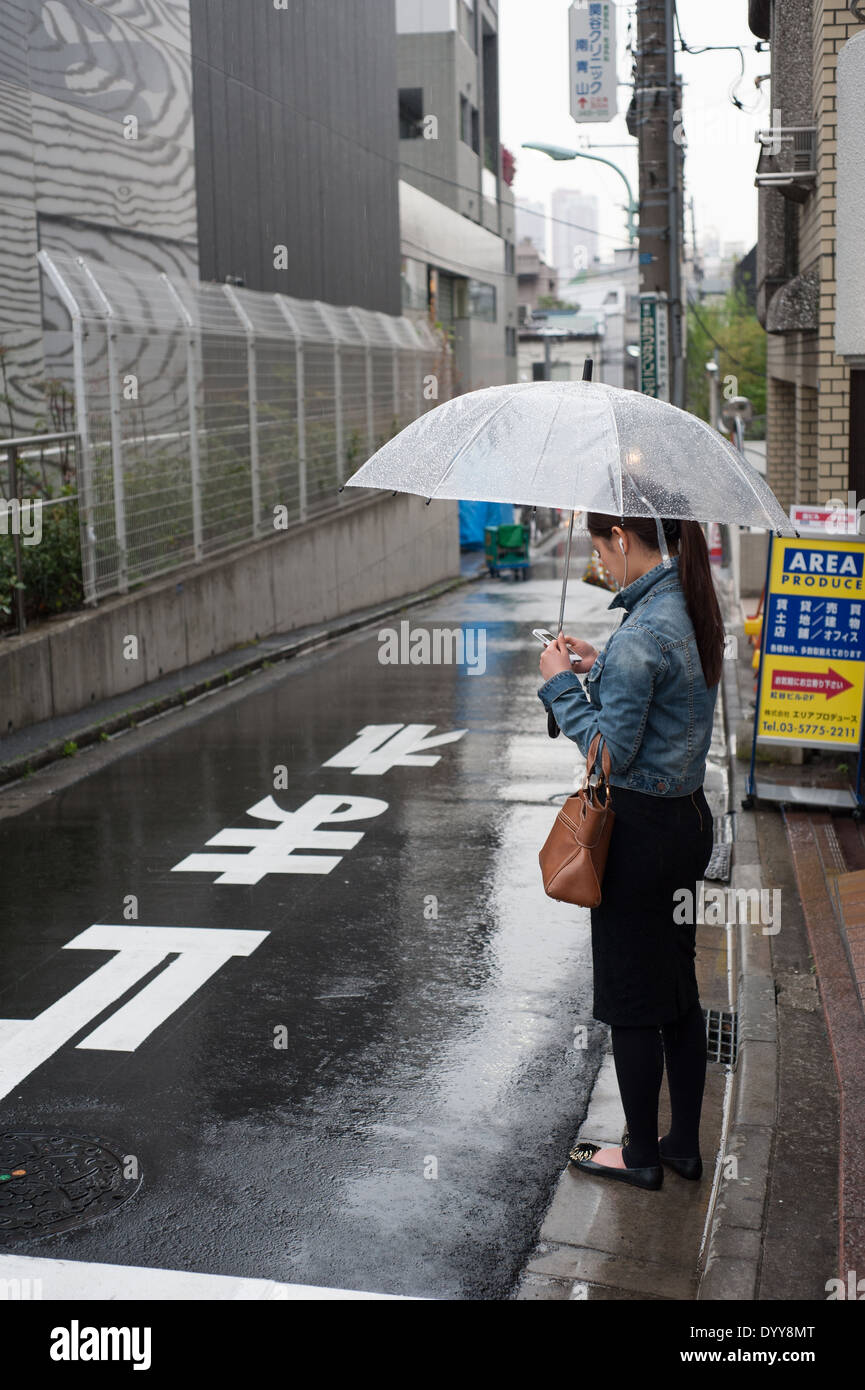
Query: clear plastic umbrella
(579,445)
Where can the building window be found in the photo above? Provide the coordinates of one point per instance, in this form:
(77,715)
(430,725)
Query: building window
(510,342)
(410,113)
(509,257)
(469,124)
(415,284)
(482,301)
(465,120)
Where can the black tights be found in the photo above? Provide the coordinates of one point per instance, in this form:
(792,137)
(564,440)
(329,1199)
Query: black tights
(639,1055)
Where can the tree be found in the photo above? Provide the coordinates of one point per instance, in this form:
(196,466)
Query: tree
(729,332)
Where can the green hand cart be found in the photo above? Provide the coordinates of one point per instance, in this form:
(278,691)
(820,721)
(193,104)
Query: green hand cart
(507,548)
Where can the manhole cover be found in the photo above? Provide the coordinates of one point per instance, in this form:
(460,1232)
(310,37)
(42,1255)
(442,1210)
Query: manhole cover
(722,1029)
(51,1182)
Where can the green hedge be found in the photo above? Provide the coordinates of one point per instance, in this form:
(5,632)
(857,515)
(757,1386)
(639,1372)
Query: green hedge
(51,569)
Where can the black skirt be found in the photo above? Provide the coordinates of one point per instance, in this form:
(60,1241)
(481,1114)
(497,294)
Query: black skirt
(644,959)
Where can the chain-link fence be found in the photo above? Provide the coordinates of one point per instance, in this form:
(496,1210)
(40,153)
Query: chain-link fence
(211,415)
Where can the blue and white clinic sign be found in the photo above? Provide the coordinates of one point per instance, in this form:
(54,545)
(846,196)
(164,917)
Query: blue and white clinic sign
(592,60)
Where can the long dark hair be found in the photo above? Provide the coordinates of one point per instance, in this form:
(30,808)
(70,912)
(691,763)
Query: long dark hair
(686,539)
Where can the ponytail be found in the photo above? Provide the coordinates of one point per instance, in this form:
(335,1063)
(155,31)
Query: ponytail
(695,576)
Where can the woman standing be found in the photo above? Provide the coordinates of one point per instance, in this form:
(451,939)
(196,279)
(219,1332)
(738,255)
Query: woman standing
(651,693)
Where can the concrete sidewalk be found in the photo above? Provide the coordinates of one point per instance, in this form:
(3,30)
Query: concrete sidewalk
(763,1222)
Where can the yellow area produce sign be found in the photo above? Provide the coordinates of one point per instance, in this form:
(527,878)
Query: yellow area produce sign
(812,665)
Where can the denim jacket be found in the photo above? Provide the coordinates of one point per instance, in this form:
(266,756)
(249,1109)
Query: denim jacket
(646,692)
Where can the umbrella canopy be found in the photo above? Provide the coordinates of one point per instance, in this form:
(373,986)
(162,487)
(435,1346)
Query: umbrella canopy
(577,445)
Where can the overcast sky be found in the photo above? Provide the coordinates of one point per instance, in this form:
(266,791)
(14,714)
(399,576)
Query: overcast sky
(720,157)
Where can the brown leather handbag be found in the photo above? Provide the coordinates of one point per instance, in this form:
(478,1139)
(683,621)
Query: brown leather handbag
(575,853)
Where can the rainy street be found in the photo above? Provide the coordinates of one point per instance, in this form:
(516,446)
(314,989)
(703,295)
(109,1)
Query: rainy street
(349,1056)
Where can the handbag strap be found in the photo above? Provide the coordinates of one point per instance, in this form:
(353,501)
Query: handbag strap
(606,768)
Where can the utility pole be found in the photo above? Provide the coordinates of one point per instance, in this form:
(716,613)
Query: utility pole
(657,101)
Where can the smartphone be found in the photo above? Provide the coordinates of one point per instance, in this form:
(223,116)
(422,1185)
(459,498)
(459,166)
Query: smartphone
(545,638)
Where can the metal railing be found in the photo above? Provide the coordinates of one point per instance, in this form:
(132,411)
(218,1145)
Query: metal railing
(212,415)
(794,150)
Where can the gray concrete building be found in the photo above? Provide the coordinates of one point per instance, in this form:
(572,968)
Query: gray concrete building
(535,279)
(193,139)
(200,286)
(457,209)
(612,294)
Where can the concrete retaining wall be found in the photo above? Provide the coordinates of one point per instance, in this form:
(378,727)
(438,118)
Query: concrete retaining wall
(377,549)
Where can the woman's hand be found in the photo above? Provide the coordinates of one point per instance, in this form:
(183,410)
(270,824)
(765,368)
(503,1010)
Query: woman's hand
(585,651)
(555,657)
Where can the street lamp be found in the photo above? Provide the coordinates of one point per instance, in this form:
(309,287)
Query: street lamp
(558,152)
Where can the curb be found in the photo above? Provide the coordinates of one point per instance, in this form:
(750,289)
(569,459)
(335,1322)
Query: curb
(134,715)
(733,1249)
(101,729)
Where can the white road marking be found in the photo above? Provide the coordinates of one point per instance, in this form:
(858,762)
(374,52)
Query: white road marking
(379,747)
(26,1043)
(271,851)
(78,1280)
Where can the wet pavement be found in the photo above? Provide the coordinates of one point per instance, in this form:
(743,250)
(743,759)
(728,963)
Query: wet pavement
(358,1073)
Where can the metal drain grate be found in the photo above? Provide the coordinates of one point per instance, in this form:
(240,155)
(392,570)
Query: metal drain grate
(722,1035)
(718,867)
(53,1182)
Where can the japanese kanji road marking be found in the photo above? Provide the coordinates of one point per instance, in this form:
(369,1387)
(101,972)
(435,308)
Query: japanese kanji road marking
(272,851)
(379,747)
(26,1043)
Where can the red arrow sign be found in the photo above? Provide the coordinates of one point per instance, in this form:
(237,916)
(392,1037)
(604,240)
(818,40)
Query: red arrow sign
(826,683)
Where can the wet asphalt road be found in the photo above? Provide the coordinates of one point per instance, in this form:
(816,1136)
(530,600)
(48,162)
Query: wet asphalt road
(379,1095)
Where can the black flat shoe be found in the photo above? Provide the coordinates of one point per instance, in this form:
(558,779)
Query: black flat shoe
(690,1168)
(649,1178)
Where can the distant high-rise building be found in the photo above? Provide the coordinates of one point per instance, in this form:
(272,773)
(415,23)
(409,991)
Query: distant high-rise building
(532,226)
(575,231)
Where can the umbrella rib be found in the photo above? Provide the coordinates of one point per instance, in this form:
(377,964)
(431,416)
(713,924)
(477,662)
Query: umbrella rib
(619,457)
(559,404)
(483,425)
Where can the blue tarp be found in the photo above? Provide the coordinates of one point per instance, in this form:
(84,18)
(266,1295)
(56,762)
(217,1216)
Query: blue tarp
(474,516)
